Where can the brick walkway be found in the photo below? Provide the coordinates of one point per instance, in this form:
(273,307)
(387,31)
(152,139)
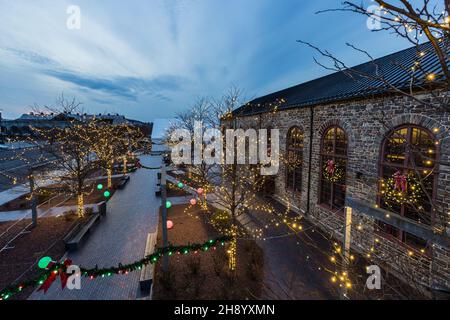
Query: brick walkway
(119,237)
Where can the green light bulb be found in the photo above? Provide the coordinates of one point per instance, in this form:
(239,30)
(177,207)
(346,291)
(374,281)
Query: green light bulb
(106,194)
(168,204)
(43,263)
(99,186)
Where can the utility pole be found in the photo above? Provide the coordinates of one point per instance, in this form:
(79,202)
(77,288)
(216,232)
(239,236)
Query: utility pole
(164,213)
(33,200)
(346,253)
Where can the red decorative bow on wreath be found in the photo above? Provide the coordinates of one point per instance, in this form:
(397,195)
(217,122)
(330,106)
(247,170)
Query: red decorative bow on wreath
(331,167)
(400,181)
(52,277)
(138,165)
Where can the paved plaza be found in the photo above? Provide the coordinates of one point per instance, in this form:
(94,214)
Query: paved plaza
(119,238)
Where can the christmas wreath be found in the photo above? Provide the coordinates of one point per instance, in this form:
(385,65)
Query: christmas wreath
(333,171)
(401,189)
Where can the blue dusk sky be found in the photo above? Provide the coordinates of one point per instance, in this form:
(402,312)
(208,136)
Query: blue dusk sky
(148,59)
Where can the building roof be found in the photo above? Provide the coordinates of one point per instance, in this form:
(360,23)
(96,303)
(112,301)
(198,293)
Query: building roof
(37,117)
(340,86)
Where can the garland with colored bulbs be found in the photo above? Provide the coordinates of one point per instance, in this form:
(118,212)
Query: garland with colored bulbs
(60,268)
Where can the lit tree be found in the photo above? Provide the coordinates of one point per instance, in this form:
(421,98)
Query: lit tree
(237,194)
(106,147)
(129,138)
(235,187)
(112,143)
(71,147)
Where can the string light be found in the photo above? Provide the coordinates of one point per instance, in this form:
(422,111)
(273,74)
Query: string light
(431,76)
(122,269)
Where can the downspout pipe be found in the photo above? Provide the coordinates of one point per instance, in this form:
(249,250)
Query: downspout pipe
(311,136)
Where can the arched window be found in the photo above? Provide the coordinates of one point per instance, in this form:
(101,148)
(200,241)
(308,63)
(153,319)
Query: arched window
(333,154)
(407,178)
(294,148)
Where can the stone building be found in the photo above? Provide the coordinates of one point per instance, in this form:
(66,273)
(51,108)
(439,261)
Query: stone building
(352,143)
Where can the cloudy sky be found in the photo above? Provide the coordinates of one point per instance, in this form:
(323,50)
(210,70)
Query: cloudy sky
(148,59)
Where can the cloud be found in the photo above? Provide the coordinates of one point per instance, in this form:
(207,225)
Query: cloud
(32,57)
(125,87)
(149,59)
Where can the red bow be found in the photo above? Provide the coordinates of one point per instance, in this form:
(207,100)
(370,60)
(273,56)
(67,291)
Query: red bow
(138,165)
(330,167)
(52,277)
(400,181)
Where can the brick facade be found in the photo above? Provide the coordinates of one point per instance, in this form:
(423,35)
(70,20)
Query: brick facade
(366,122)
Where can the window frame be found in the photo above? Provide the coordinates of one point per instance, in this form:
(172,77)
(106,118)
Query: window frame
(329,204)
(295,181)
(404,167)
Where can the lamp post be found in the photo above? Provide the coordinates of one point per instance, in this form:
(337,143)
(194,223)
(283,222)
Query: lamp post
(33,200)
(164,213)
(347,245)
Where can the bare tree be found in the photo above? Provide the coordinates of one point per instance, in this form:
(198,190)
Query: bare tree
(62,105)
(432,20)
(200,112)
(222,108)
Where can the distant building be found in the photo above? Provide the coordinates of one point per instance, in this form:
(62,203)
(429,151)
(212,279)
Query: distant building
(23,125)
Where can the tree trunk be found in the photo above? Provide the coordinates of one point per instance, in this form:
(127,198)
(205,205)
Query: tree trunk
(124,165)
(232,251)
(109,174)
(80,205)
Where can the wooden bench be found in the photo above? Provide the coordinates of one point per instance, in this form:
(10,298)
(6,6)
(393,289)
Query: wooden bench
(147,272)
(75,236)
(123,182)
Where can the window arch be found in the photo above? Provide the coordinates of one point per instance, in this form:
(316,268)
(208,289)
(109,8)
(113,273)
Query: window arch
(407,167)
(333,155)
(294,148)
